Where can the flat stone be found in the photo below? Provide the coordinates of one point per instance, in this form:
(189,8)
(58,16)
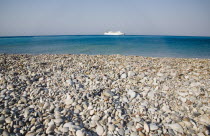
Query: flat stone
(58,121)
(134,134)
(50,128)
(131,73)
(8,120)
(166,108)
(200,134)
(111,127)
(68,100)
(108,93)
(5,133)
(125,99)
(80,133)
(95,118)
(146,127)
(121,131)
(141,133)
(68,125)
(2,119)
(153,126)
(176,127)
(31,134)
(151,95)
(65,129)
(204,119)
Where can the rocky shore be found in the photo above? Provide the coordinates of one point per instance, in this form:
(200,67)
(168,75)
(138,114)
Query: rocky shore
(84,95)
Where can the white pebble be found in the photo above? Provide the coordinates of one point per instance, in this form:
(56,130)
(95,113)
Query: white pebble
(99,130)
(123,75)
(132,94)
(80,133)
(176,127)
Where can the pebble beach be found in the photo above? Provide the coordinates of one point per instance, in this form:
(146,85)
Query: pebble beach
(103,95)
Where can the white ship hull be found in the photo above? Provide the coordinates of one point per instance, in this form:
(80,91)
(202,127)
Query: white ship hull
(114,33)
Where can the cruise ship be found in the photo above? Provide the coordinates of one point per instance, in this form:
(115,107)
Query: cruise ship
(114,33)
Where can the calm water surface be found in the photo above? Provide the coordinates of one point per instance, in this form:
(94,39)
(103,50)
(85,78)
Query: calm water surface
(152,46)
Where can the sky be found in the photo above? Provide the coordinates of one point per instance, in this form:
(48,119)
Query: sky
(81,17)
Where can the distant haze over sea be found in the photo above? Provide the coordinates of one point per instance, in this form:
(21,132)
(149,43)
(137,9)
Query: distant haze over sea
(80,17)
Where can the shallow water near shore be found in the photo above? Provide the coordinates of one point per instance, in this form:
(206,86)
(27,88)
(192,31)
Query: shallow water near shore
(149,46)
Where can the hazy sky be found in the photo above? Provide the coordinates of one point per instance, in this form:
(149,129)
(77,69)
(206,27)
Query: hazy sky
(144,17)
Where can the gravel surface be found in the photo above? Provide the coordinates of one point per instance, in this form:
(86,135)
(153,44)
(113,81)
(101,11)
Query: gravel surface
(106,95)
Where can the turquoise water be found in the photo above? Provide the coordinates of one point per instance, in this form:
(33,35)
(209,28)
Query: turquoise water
(152,46)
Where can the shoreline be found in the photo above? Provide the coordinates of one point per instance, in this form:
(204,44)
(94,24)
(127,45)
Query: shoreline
(88,95)
(101,55)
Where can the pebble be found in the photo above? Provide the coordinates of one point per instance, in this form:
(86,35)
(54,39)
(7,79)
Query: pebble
(46,105)
(65,129)
(132,94)
(134,134)
(141,134)
(131,74)
(68,100)
(8,120)
(201,134)
(151,95)
(121,132)
(58,121)
(80,133)
(176,127)
(99,130)
(31,134)
(111,127)
(5,133)
(26,113)
(95,118)
(68,125)
(108,93)
(50,128)
(2,119)
(204,119)
(153,126)
(124,76)
(146,127)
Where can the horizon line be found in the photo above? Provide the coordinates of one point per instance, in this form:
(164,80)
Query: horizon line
(99,35)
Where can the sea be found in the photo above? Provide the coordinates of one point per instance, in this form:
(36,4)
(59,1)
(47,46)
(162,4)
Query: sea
(137,45)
